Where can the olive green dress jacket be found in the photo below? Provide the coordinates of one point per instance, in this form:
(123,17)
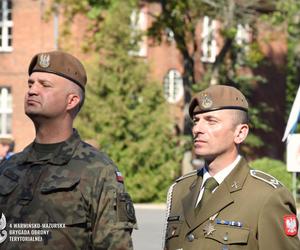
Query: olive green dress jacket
(250,210)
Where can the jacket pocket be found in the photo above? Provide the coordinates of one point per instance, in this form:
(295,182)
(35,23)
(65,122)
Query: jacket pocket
(8,182)
(229,235)
(64,202)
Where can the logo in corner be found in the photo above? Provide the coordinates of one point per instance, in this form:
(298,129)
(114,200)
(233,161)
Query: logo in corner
(3,233)
(44,60)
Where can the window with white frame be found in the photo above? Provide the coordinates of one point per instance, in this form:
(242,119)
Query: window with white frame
(173,86)
(5,111)
(139,25)
(209,47)
(242,39)
(6,25)
(242,36)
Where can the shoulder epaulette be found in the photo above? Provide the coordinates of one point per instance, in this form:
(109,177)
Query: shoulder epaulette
(194,172)
(266,178)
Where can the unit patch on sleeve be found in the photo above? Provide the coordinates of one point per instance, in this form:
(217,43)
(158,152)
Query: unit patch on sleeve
(119,176)
(290,225)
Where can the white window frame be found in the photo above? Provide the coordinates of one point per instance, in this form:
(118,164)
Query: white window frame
(139,23)
(243,39)
(5,24)
(209,47)
(5,110)
(243,36)
(173,86)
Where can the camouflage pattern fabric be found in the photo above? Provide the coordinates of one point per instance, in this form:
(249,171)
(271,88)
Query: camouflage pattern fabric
(75,186)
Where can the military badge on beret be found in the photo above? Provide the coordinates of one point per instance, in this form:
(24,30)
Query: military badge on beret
(206,101)
(44,60)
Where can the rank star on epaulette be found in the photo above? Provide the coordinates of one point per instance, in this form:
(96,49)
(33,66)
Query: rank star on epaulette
(119,176)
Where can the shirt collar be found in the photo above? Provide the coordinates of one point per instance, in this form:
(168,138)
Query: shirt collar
(221,175)
(60,156)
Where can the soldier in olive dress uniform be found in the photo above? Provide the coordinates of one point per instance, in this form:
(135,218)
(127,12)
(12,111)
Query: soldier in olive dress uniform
(226,205)
(60,192)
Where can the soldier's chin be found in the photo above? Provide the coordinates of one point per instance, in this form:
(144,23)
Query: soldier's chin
(32,114)
(205,155)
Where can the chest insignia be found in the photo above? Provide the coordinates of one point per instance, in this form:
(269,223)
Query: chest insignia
(229,223)
(209,229)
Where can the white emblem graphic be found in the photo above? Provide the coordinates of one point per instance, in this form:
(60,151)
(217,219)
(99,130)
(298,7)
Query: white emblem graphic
(3,233)
(291,225)
(44,60)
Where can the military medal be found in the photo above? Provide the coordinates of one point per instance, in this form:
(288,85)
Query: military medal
(229,223)
(208,229)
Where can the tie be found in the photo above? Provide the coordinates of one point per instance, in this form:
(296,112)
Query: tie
(209,185)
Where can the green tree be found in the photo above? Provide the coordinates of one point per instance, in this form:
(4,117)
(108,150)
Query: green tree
(125,111)
(288,16)
(182,18)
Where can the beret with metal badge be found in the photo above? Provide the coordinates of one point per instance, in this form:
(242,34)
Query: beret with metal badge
(218,97)
(59,63)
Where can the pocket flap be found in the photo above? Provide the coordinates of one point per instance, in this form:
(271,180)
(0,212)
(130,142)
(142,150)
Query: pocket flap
(59,183)
(230,235)
(8,181)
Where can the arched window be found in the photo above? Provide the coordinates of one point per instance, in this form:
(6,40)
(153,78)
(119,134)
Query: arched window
(173,86)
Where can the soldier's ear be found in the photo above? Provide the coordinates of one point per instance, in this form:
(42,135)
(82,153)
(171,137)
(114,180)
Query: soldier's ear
(240,133)
(73,101)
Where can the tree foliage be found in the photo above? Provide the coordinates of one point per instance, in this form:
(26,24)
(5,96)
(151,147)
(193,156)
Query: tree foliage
(125,111)
(183,19)
(288,17)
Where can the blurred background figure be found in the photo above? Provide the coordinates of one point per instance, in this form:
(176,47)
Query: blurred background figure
(7,145)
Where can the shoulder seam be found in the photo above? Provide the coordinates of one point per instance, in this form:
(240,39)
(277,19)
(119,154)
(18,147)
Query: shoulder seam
(194,172)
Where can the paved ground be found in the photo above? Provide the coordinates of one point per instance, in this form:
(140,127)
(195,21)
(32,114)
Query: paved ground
(151,220)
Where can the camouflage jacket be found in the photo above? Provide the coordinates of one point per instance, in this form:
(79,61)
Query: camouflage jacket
(72,199)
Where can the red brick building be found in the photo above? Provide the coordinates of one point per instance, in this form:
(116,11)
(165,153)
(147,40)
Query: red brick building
(24,32)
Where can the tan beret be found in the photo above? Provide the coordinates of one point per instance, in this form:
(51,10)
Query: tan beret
(59,63)
(218,97)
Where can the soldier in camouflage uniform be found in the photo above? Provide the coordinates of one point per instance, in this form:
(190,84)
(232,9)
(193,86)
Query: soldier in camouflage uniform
(60,183)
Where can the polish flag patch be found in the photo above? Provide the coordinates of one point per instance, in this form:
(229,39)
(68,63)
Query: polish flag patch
(119,176)
(290,225)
